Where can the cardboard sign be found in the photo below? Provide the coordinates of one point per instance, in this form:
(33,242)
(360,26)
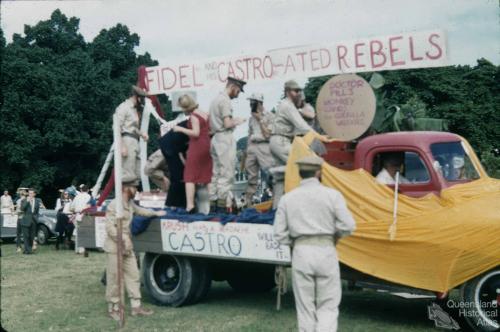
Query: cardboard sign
(237,241)
(100,231)
(9,220)
(346,107)
(398,51)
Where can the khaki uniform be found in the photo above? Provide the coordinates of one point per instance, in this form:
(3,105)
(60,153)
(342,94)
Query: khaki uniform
(287,123)
(129,128)
(156,168)
(309,218)
(222,150)
(130,272)
(258,153)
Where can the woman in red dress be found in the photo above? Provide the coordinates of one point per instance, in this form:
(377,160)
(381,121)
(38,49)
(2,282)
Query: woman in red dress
(198,167)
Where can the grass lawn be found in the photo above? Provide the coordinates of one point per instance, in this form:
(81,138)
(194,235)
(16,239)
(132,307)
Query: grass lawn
(60,291)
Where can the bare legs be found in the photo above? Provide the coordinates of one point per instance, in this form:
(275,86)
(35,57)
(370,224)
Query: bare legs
(190,190)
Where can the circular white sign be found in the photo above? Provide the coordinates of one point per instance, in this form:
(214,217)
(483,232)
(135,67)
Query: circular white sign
(346,106)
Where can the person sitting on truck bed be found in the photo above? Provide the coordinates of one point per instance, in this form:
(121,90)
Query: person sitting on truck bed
(392,164)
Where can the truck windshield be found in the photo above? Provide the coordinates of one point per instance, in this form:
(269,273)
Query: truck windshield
(453,161)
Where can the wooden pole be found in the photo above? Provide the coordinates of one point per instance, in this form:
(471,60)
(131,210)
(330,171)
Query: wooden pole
(119,216)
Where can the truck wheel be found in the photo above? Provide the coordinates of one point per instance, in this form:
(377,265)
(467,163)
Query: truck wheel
(204,281)
(252,278)
(170,280)
(481,299)
(43,235)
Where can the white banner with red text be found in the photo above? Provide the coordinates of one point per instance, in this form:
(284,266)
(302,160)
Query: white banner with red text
(399,51)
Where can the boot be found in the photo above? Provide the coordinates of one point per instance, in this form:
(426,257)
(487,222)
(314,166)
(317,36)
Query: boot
(141,311)
(113,312)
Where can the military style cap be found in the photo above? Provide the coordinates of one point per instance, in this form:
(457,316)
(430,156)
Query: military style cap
(187,103)
(257,96)
(310,163)
(292,85)
(138,91)
(237,82)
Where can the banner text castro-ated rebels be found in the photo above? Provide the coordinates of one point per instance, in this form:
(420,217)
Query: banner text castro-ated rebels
(402,51)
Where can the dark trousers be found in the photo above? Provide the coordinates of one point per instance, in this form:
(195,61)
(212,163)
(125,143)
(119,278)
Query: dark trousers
(28,236)
(176,196)
(64,229)
(19,231)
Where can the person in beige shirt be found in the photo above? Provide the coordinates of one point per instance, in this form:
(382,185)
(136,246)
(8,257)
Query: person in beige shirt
(156,168)
(131,279)
(129,116)
(287,123)
(223,144)
(258,154)
(311,218)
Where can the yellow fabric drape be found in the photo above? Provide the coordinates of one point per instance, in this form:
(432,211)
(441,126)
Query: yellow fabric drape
(440,242)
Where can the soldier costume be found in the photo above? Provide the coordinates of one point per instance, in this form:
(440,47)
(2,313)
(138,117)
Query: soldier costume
(311,218)
(258,154)
(222,148)
(287,123)
(131,279)
(129,118)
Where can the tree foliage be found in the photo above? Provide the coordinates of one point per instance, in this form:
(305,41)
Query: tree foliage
(468,98)
(59,94)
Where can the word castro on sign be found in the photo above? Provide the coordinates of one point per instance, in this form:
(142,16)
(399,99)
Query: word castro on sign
(236,241)
(401,51)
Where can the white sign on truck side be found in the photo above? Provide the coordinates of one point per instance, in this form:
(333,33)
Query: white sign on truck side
(238,241)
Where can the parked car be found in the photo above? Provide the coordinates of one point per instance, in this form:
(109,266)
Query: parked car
(46,227)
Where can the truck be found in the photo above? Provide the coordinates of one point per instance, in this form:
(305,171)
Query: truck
(182,258)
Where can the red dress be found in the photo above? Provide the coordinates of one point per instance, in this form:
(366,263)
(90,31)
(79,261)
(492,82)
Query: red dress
(198,168)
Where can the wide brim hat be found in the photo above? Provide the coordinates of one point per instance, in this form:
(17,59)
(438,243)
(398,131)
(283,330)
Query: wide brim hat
(256,96)
(292,85)
(138,91)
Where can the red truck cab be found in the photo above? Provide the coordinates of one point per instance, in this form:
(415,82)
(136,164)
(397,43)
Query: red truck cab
(432,161)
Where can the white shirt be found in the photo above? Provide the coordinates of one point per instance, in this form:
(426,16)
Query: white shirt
(312,209)
(383,177)
(66,207)
(6,203)
(81,202)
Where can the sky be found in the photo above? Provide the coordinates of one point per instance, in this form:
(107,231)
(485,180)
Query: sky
(187,30)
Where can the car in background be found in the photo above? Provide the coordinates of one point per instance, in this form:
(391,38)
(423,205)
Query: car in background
(46,227)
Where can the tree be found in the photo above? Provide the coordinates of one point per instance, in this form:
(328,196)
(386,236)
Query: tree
(59,96)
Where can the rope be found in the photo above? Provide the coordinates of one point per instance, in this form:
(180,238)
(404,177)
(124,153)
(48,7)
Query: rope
(281,283)
(393,227)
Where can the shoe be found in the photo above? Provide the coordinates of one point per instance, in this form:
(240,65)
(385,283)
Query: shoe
(18,250)
(114,314)
(141,311)
(191,211)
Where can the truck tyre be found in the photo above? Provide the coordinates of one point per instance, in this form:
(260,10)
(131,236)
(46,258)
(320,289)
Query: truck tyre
(169,280)
(478,297)
(204,281)
(42,234)
(252,278)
